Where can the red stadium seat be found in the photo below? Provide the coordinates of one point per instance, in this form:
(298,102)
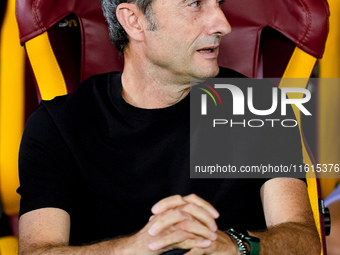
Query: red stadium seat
(279,39)
(67,41)
(70,35)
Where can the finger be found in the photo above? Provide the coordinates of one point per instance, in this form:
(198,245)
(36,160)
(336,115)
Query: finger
(193,243)
(194,199)
(195,251)
(197,229)
(166,220)
(168,203)
(200,214)
(178,240)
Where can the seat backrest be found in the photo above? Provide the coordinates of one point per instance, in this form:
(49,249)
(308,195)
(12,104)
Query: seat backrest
(12,109)
(278,26)
(329,110)
(13,106)
(274,38)
(270,38)
(76,32)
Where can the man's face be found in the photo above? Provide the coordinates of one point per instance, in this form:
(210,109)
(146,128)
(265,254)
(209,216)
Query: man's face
(187,36)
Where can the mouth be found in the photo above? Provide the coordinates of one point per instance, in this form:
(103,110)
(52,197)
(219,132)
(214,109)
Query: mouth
(209,52)
(209,49)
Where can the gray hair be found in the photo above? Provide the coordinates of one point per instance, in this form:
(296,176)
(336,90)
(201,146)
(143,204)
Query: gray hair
(117,33)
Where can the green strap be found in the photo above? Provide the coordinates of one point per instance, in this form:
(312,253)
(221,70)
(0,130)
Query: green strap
(254,247)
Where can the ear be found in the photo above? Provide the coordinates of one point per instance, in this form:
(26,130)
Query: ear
(132,20)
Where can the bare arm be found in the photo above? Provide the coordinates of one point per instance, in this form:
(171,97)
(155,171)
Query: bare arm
(46,231)
(291,227)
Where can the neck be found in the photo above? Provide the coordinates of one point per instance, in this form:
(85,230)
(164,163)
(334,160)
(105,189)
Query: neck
(151,87)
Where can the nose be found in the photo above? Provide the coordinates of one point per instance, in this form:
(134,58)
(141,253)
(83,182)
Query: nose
(219,24)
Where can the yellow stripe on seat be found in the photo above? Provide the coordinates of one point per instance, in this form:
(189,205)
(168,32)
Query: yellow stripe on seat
(8,245)
(12,90)
(329,106)
(46,69)
(301,66)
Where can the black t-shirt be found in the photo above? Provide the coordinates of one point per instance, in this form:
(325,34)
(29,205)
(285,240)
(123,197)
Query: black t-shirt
(106,163)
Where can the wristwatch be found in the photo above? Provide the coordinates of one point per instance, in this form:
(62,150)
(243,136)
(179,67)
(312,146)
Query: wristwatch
(240,238)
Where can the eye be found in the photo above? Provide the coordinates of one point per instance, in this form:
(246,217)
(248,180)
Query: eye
(195,4)
(219,3)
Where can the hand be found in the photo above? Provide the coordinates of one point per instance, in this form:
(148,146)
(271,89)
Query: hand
(177,200)
(177,224)
(193,205)
(201,224)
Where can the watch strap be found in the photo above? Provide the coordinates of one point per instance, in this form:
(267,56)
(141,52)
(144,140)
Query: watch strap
(254,245)
(240,238)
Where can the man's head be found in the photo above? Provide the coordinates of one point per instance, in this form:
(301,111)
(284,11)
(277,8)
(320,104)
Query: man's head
(169,38)
(118,35)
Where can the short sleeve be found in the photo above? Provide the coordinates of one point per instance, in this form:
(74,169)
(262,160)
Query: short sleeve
(45,165)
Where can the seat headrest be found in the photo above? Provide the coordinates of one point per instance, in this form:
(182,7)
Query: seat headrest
(304,22)
(35,17)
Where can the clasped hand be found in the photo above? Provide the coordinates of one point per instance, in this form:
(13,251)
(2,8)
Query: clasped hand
(183,223)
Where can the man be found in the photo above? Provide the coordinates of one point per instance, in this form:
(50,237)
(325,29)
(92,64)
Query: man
(93,164)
